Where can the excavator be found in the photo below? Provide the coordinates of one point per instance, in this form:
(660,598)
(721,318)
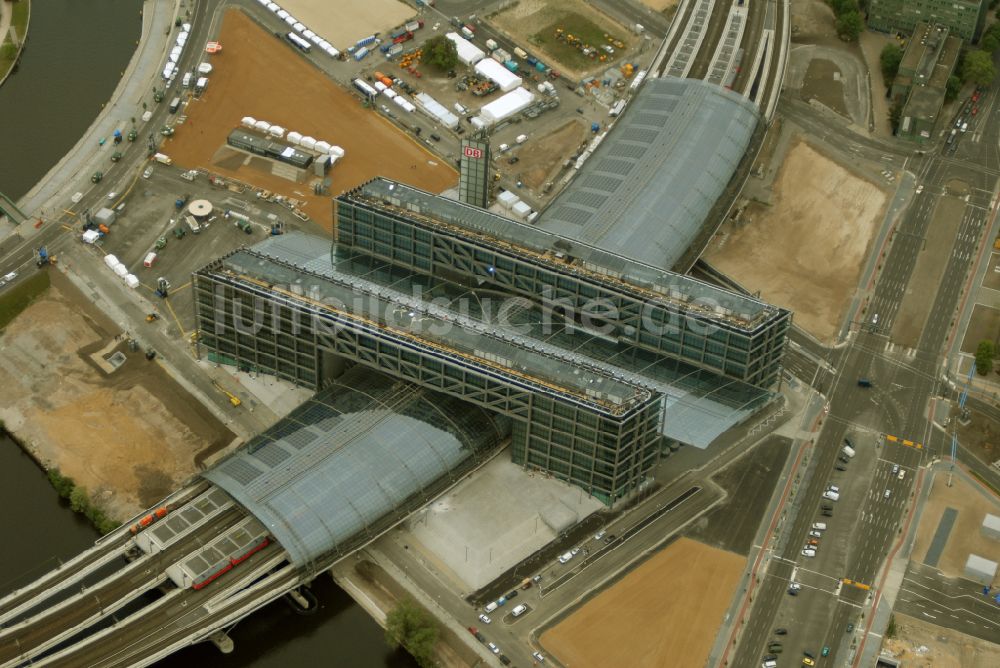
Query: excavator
(233,399)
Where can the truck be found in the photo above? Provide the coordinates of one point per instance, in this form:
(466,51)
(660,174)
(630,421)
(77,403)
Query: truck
(491,45)
(520,53)
(848,450)
(414,25)
(162,158)
(511,65)
(175,104)
(192,224)
(500,55)
(200,85)
(468,34)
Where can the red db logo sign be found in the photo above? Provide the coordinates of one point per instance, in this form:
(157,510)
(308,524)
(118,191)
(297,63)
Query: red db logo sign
(472,152)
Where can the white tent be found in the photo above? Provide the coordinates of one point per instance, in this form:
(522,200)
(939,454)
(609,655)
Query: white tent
(90,236)
(276,131)
(308,142)
(468,53)
(337,151)
(121,270)
(248,121)
(506,106)
(132,281)
(263,126)
(498,74)
(111,261)
(322,147)
(294,137)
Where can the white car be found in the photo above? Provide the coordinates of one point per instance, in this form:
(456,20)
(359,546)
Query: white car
(575,551)
(887,494)
(809,552)
(112,195)
(796,585)
(493,648)
(902,474)
(8,277)
(537,656)
(895,469)
(484,619)
(147,173)
(815,534)
(920,189)
(833,488)
(600,534)
(566,557)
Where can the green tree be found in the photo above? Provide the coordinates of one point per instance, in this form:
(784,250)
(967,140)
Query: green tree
(441,53)
(841,7)
(891,56)
(78,500)
(411,627)
(978,68)
(896,112)
(849,25)
(890,631)
(989,43)
(62,484)
(952,88)
(984,357)
(8,51)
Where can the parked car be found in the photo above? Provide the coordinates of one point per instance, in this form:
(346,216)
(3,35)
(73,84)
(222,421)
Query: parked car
(493,648)
(600,534)
(841,467)
(808,552)
(895,469)
(815,534)
(565,557)
(850,626)
(806,661)
(825,652)
(512,594)
(794,585)
(826,513)
(781,632)
(537,656)
(484,619)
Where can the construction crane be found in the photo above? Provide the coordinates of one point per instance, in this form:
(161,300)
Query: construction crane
(233,399)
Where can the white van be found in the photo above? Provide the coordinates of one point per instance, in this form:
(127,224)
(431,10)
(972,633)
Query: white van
(519,610)
(186,81)
(769,664)
(491,606)
(831,495)
(819,526)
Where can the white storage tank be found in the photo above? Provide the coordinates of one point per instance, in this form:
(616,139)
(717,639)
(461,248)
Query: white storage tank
(520,210)
(276,131)
(248,121)
(294,137)
(308,142)
(322,147)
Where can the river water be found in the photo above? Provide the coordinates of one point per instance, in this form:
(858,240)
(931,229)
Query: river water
(74,58)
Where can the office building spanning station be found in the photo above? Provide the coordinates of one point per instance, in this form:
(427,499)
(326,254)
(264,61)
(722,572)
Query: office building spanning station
(600,364)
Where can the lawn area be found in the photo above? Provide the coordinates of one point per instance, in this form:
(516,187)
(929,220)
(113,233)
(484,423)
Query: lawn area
(579,26)
(16,298)
(19,20)
(19,27)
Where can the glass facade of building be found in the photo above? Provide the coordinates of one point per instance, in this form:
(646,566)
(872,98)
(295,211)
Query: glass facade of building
(282,319)
(474,175)
(699,329)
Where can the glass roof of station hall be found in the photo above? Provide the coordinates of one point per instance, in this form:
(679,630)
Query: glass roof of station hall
(699,405)
(739,310)
(349,456)
(301,265)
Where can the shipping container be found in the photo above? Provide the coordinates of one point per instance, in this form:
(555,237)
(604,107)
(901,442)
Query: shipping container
(364,88)
(361,53)
(413,26)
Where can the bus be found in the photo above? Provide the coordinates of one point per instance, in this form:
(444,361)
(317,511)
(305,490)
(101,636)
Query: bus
(298,42)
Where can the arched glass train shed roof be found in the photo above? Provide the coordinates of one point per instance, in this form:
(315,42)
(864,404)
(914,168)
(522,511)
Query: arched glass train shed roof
(649,186)
(350,456)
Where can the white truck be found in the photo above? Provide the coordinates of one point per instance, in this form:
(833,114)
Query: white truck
(162,158)
(848,450)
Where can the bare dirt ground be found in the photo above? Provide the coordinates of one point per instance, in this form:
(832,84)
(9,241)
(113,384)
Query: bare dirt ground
(920,644)
(927,274)
(981,436)
(984,324)
(129,437)
(541,159)
(527,17)
(812,22)
(872,44)
(965,536)
(804,252)
(685,586)
(344,22)
(287,90)
(660,5)
(824,82)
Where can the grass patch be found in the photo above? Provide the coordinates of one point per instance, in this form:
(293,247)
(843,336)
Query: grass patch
(81,503)
(8,54)
(579,26)
(18,297)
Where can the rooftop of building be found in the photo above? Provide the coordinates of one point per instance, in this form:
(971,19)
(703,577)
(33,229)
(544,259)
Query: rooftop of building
(930,57)
(924,102)
(646,282)
(648,188)
(299,267)
(352,454)
(699,405)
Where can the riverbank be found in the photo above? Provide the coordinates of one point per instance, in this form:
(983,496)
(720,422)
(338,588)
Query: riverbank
(15,18)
